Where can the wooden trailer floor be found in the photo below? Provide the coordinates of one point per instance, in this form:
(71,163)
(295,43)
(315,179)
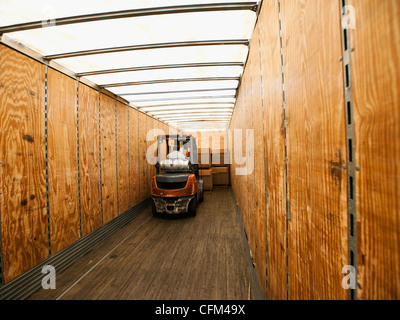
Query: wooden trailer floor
(165,258)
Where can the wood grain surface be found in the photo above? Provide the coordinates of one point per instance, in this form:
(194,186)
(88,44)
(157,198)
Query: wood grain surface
(376,91)
(316,145)
(62,160)
(22,164)
(260,254)
(271,69)
(142,156)
(173,258)
(89,159)
(122,156)
(134,184)
(108,158)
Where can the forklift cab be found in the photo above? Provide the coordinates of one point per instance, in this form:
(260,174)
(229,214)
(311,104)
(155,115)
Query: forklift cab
(176,187)
(173,147)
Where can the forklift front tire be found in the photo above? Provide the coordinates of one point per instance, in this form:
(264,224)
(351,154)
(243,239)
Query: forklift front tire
(153,209)
(192,207)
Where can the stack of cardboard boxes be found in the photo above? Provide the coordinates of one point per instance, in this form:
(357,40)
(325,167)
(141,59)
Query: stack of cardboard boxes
(214,167)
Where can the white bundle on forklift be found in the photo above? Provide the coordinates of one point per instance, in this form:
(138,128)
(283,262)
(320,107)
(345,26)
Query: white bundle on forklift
(175,161)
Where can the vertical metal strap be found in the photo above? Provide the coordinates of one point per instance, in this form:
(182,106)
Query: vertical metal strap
(116,151)
(288,215)
(350,143)
(77,152)
(46,157)
(101,182)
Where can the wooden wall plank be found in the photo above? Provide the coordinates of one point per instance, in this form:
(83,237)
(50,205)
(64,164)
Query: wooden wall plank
(237,135)
(316,147)
(142,156)
(108,158)
(249,151)
(260,255)
(134,157)
(22,164)
(89,160)
(122,157)
(242,179)
(376,83)
(271,69)
(62,160)
(153,145)
(149,167)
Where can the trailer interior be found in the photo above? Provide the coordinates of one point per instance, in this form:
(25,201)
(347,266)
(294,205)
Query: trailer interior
(293,107)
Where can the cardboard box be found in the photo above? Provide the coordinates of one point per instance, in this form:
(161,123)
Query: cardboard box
(220,157)
(204,158)
(220,176)
(207,176)
(217,170)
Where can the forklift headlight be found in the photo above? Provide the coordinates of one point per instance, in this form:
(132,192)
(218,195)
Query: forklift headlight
(158,202)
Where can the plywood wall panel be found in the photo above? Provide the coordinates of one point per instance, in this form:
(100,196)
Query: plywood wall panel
(316,147)
(89,159)
(242,177)
(142,156)
(153,146)
(149,167)
(62,160)
(249,150)
(134,157)
(22,164)
(239,137)
(108,158)
(122,157)
(376,83)
(271,70)
(259,168)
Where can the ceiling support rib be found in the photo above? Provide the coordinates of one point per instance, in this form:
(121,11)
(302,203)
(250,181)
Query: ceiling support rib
(190,112)
(160,67)
(132,14)
(150,46)
(111,85)
(178,91)
(185,104)
(186,98)
(197,121)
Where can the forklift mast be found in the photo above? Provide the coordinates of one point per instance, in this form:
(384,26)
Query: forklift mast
(174,143)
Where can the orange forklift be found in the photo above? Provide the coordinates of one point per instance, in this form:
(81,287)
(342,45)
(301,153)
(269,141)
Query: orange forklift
(177,187)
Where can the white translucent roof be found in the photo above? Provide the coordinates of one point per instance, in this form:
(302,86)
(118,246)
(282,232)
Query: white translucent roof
(153,53)
(202,111)
(20,11)
(155,57)
(177,103)
(187,108)
(137,31)
(148,75)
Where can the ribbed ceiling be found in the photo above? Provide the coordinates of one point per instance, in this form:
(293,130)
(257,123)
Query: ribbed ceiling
(179,61)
